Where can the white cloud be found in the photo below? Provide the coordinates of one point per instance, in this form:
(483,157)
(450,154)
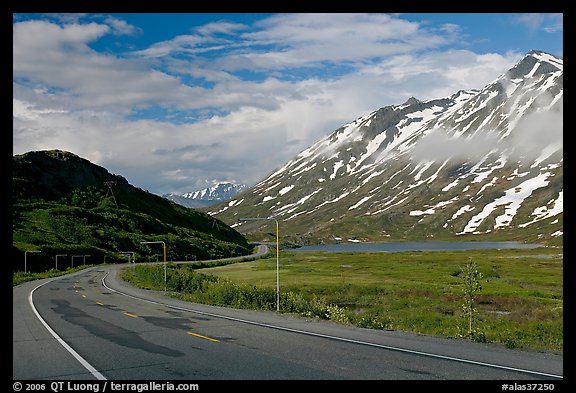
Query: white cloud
(59,58)
(536,134)
(439,145)
(69,96)
(220,27)
(550,22)
(121,27)
(303,40)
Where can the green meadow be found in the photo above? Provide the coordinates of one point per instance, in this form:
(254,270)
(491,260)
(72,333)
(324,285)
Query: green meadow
(520,303)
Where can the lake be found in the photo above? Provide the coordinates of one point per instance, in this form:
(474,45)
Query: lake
(413,246)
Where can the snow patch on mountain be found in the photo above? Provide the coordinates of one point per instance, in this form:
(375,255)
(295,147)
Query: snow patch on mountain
(511,200)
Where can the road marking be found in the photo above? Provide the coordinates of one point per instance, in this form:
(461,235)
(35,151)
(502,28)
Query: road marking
(392,348)
(100,303)
(131,315)
(82,361)
(204,337)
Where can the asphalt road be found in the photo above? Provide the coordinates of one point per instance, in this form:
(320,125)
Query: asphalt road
(90,325)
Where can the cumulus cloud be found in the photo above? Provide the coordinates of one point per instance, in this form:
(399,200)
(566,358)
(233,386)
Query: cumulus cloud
(59,59)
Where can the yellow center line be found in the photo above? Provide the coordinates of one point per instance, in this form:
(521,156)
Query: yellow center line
(100,303)
(204,337)
(131,315)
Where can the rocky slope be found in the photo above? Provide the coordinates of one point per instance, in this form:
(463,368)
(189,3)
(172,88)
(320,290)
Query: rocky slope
(481,162)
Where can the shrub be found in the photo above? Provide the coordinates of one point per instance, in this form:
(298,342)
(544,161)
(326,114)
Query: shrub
(219,291)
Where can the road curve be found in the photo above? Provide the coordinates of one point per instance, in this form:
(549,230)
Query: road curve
(91,325)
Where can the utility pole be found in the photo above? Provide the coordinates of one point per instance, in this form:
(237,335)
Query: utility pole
(277,256)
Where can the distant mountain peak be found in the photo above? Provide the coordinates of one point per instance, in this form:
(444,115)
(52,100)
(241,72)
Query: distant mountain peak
(205,197)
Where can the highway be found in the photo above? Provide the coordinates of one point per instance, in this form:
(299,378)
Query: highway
(91,325)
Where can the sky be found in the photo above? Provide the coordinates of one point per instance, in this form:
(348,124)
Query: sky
(177,102)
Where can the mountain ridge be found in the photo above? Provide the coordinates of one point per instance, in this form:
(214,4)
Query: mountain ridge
(64,204)
(478,162)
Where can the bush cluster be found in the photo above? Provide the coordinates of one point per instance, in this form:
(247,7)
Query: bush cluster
(183,281)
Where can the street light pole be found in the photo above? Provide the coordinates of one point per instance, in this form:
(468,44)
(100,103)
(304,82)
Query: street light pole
(277,256)
(59,255)
(26,252)
(164,246)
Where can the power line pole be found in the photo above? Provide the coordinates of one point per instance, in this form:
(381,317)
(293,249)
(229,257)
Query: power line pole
(110,184)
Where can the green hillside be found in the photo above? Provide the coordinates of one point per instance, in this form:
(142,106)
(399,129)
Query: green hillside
(64,205)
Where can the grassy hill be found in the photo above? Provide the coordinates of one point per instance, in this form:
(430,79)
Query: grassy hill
(62,205)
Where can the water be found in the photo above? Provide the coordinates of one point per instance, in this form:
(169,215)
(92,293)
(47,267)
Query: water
(414,246)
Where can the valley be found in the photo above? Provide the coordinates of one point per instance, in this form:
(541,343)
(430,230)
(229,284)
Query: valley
(520,304)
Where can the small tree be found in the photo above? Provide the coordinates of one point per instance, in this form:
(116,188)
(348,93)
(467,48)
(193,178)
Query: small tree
(472,286)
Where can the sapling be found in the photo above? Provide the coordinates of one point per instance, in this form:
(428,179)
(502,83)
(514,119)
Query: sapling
(472,285)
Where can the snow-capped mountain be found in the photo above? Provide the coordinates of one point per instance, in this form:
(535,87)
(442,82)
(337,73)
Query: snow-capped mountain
(476,162)
(207,196)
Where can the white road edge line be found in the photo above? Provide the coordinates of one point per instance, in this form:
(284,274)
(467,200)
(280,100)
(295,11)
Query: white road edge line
(335,337)
(82,361)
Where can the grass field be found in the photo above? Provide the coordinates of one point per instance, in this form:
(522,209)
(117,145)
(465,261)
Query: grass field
(520,304)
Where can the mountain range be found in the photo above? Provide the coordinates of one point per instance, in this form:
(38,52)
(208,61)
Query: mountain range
(484,163)
(208,196)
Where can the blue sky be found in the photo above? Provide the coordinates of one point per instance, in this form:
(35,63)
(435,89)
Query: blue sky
(174,102)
